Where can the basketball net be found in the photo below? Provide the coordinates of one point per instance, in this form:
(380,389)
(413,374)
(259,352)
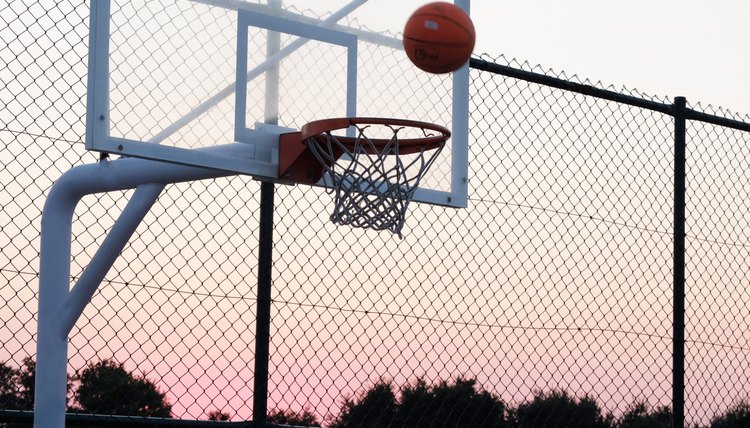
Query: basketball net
(373,180)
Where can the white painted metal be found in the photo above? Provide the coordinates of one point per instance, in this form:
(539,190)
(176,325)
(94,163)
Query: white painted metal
(97,118)
(460,132)
(264,156)
(305,33)
(60,307)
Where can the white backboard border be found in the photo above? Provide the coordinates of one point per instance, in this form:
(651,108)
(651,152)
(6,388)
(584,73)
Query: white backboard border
(98,137)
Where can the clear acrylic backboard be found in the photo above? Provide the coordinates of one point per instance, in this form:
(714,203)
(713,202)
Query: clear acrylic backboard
(177,81)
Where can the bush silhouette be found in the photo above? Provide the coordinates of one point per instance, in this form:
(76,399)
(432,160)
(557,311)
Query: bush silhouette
(107,388)
(557,409)
(375,408)
(640,415)
(17,385)
(218,415)
(287,417)
(460,404)
(737,416)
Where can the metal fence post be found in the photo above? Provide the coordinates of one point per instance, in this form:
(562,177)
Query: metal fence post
(263,320)
(678,325)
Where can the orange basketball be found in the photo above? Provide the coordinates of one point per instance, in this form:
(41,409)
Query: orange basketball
(439,37)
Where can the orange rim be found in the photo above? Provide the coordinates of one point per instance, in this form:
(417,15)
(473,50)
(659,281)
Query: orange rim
(320,128)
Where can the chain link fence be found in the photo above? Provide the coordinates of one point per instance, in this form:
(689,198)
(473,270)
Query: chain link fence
(716,257)
(556,282)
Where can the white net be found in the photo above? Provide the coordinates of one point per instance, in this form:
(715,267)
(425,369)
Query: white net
(373,179)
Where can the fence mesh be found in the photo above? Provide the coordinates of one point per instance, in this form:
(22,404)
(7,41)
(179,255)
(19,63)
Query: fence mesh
(716,258)
(556,281)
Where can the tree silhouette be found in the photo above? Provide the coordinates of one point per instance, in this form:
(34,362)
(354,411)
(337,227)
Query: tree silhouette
(557,409)
(217,415)
(26,380)
(375,408)
(17,386)
(10,395)
(640,415)
(288,417)
(107,388)
(460,404)
(17,390)
(737,416)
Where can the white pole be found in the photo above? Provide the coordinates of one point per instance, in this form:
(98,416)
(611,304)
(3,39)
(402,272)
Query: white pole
(54,280)
(59,308)
(460,140)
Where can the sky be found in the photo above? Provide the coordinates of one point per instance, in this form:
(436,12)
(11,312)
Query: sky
(692,48)
(665,48)
(662,49)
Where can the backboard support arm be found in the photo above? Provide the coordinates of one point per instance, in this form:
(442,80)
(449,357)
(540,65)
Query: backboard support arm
(59,306)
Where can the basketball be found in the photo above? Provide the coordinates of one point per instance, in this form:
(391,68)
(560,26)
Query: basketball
(439,37)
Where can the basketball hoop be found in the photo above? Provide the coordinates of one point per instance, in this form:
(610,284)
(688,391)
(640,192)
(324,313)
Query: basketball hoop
(373,171)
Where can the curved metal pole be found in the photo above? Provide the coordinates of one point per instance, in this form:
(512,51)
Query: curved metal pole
(59,307)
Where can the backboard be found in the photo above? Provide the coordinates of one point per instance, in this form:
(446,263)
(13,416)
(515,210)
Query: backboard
(177,81)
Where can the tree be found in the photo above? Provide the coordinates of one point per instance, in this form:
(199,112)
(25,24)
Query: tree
(737,416)
(216,415)
(10,395)
(559,410)
(17,389)
(26,381)
(373,409)
(107,388)
(17,386)
(460,404)
(288,417)
(640,415)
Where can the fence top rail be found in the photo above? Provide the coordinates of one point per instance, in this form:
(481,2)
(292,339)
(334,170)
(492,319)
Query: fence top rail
(555,82)
(567,85)
(717,120)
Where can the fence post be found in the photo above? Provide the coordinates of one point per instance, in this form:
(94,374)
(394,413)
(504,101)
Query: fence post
(678,324)
(263,317)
